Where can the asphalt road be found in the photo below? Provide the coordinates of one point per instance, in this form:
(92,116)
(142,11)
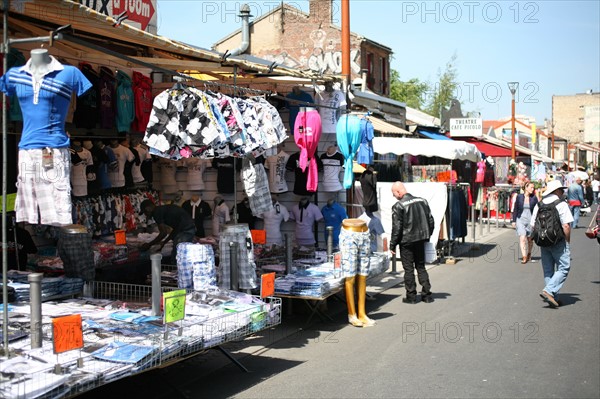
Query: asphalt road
(487,335)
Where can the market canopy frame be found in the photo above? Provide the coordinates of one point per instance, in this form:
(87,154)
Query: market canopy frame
(430,148)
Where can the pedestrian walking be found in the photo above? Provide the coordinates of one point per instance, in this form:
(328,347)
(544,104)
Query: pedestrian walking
(521,219)
(412,225)
(596,188)
(575,199)
(551,218)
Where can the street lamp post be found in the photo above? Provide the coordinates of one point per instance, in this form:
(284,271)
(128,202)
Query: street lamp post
(513,86)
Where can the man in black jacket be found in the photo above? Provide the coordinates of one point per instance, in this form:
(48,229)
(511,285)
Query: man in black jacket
(412,225)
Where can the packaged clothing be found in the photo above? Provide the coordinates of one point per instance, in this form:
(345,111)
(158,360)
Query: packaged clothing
(332,166)
(276,165)
(87,112)
(124,102)
(332,101)
(305,216)
(45,106)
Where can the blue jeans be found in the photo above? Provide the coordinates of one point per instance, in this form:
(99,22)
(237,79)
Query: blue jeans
(575,211)
(556,263)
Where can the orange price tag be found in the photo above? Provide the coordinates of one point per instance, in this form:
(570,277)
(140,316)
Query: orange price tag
(385,244)
(267,285)
(67,333)
(259,236)
(337,260)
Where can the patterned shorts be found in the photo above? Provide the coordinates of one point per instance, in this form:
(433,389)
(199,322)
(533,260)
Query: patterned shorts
(355,248)
(48,189)
(196,266)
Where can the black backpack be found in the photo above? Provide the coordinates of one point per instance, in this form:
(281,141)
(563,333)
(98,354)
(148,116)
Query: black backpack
(547,229)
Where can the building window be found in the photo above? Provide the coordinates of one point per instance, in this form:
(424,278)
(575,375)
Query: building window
(370,68)
(383,75)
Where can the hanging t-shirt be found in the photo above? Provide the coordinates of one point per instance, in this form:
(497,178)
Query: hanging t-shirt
(366,153)
(305,217)
(295,107)
(300,177)
(45,108)
(86,114)
(181,175)
(225,174)
(272,223)
(79,181)
(168,168)
(332,165)
(276,165)
(334,214)
(368,183)
(116,173)
(220,217)
(333,101)
(107,98)
(136,169)
(196,168)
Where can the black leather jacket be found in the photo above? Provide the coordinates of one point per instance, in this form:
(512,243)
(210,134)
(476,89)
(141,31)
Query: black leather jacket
(411,221)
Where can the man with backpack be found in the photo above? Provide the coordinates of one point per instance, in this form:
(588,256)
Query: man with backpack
(551,223)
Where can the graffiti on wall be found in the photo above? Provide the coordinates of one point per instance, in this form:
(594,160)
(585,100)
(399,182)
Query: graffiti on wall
(321,56)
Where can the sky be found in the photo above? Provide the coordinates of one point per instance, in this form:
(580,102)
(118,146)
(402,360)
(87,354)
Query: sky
(549,47)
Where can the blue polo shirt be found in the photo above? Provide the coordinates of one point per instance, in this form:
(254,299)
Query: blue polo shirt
(334,215)
(45,108)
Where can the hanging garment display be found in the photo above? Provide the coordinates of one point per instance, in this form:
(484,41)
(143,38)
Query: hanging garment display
(272,223)
(348,133)
(368,183)
(480,172)
(246,268)
(332,101)
(124,102)
(333,214)
(81,159)
(256,186)
(14,58)
(305,214)
(366,153)
(196,266)
(296,95)
(300,176)
(142,94)
(187,122)
(307,133)
(276,166)
(86,114)
(107,91)
(333,162)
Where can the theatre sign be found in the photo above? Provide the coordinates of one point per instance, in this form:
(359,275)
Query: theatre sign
(466,127)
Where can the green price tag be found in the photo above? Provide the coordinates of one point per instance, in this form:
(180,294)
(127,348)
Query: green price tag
(10,202)
(174,305)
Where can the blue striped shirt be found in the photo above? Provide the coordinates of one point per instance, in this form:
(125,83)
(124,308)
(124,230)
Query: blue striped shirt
(44,108)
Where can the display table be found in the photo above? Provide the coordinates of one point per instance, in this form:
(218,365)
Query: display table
(121,338)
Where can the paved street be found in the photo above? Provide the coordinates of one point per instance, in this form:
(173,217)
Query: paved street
(488,334)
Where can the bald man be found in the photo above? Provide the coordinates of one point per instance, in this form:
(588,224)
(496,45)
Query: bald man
(412,225)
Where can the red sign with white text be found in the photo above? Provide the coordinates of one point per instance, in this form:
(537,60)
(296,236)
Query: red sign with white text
(140,11)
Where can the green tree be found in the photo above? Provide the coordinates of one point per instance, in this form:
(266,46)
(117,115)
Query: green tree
(412,92)
(445,89)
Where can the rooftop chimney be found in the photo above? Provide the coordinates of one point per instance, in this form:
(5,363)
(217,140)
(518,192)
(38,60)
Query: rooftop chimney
(245,16)
(321,11)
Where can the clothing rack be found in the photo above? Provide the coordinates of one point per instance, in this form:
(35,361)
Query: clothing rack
(449,246)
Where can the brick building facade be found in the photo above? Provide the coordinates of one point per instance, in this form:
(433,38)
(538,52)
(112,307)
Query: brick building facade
(291,37)
(573,116)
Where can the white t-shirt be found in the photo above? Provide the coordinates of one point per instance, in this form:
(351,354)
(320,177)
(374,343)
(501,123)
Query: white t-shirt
(78,175)
(330,116)
(220,217)
(595,185)
(136,170)
(116,176)
(332,166)
(276,165)
(273,220)
(181,175)
(196,168)
(168,168)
